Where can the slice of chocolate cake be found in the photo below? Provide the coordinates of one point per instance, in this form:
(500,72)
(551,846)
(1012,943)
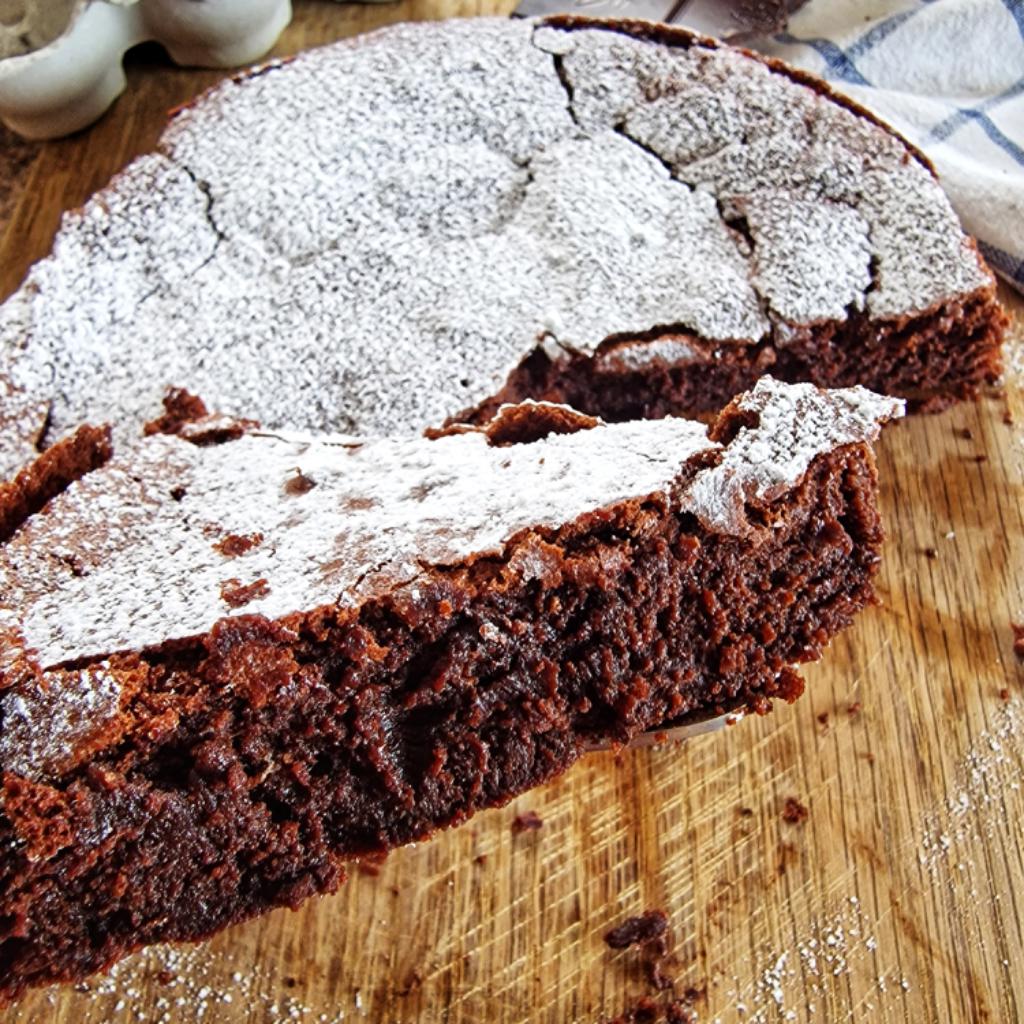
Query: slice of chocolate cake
(419,224)
(225,670)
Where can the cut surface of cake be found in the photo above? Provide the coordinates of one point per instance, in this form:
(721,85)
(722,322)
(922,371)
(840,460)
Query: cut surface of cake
(419,224)
(227,669)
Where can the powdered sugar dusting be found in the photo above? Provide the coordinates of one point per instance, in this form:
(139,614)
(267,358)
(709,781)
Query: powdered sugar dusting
(201,984)
(794,983)
(990,769)
(670,350)
(127,557)
(371,237)
(818,250)
(422,211)
(130,555)
(762,142)
(795,423)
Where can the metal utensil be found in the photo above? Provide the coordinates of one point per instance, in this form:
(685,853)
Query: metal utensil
(696,725)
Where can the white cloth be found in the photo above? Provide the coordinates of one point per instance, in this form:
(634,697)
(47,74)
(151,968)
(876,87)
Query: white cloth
(949,75)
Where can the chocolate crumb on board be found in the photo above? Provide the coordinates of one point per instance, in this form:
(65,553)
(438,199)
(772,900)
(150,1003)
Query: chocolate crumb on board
(644,1011)
(679,1012)
(794,813)
(745,812)
(853,709)
(694,994)
(823,718)
(655,964)
(1004,694)
(528,821)
(650,931)
(413,983)
(931,553)
(1018,640)
(643,928)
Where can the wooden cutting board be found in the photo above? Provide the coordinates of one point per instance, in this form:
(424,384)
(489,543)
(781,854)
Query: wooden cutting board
(899,898)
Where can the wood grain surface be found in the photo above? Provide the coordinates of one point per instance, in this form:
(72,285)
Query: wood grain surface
(900,897)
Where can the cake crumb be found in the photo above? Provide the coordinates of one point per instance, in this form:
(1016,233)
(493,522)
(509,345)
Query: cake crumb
(529,821)
(794,813)
(654,970)
(638,930)
(235,544)
(1004,694)
(234,593)
(854,708)
(413,983)
(643,1011)
(823,718)
(931,553)
(680,1012)
(1018,640)
(299,484)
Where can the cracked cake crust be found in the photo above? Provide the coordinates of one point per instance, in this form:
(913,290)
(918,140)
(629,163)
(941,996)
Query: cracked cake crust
(449,216)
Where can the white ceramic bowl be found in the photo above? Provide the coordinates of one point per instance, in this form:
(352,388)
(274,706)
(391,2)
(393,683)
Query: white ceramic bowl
(70,82)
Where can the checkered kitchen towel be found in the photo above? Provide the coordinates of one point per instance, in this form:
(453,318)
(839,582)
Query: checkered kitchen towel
(948,74)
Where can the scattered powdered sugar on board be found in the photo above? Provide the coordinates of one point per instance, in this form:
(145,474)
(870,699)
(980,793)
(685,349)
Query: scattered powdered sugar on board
(839,943)
(975,807)
(196,984)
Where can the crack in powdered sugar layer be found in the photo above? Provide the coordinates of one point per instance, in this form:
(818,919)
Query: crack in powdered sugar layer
(131,555)
(823,190)
(371,237)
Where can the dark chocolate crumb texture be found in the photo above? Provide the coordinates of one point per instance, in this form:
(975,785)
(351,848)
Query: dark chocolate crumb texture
(416,225)
(216,686)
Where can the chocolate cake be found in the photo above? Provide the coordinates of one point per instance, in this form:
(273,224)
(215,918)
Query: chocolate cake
(412,227)
(226,669)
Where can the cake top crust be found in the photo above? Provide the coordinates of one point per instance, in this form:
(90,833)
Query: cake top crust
(371,237)
(169,538)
